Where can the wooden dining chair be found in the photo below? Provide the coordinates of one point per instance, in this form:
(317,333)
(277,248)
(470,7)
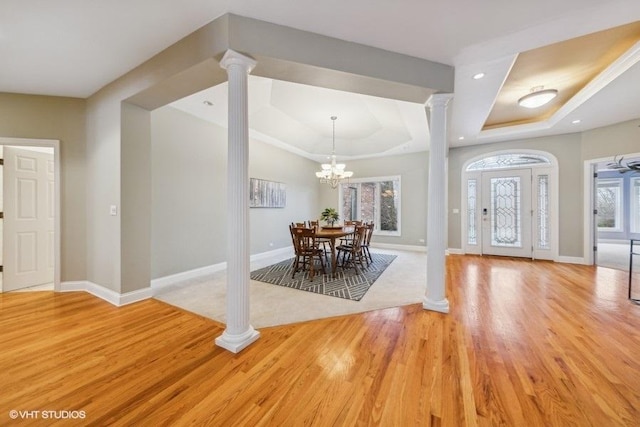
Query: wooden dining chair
(348,240)
(306,251)
(352,253)
(322,242)
(367,240)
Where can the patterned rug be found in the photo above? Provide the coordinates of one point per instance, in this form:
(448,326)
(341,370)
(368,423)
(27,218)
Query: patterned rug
(347,283)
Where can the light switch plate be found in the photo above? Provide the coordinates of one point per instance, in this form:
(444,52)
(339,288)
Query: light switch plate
(113,210)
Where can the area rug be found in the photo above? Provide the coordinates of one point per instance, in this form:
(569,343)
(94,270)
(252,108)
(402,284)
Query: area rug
(346,284)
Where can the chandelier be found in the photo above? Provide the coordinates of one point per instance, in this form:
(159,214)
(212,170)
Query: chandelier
(333,173)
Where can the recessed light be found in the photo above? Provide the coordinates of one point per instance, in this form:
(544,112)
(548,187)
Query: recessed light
(460,138)
(208,103)
(478,76)
(576,121)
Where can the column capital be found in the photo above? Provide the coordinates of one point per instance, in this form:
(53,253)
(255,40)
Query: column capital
(439,100)
(231,57)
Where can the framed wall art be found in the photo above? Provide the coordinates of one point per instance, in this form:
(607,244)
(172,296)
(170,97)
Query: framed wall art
(267,194)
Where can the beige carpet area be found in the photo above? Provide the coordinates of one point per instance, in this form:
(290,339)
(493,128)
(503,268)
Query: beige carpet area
(402,283)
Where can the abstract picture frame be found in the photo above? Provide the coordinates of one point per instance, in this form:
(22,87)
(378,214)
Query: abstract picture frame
(267,194)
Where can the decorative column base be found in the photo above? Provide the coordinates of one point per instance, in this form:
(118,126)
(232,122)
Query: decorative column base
(237,343)
(441,306)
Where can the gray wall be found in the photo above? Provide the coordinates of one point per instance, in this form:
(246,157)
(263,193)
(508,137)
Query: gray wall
(188,202)
(47,117)
(413,169)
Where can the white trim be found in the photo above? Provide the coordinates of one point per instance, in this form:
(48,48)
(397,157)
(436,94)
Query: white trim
(287,250)
(571,260)
(587,208)
(441,306)
(166,281)
(106,294)
(57,221)
(411,248)
(172,279)
(455,251)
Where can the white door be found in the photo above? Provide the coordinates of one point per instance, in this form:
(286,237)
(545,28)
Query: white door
(28,241)
(506,213)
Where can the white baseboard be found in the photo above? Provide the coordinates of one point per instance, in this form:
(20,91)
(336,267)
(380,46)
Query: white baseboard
(412,248)
(163,282)
(571,260)
(106,294)
(455,251)
(287,250)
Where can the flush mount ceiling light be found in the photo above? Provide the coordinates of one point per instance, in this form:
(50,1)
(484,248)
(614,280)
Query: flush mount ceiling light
(538,97)
(478,76)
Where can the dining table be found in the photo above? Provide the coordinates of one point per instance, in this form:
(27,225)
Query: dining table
(331,233)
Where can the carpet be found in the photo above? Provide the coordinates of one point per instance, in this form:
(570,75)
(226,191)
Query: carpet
(346,284)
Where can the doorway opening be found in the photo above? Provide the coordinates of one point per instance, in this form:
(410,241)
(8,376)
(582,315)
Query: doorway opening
(30,220)
(510,205)
(616,199)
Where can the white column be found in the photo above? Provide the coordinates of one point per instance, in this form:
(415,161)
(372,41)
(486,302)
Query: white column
(239,333)
(435,298)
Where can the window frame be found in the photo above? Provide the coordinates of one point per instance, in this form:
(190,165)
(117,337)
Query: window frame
(619,208)
(634,205)
(377,180)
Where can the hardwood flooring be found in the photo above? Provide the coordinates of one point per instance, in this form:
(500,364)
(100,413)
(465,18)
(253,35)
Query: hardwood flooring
(525,344)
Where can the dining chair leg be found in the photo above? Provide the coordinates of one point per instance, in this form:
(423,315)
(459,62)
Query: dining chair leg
(295,266)
(311,269)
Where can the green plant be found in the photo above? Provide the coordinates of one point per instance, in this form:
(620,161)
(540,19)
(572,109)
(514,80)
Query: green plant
(330,215)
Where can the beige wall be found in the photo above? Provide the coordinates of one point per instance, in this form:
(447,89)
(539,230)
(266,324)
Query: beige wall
(189,199)
(46,117)
(135,214)
(619,139)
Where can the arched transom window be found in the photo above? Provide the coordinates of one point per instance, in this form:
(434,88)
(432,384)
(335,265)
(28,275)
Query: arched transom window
(508,160)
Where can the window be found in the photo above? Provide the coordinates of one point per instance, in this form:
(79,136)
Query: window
(635,205)
(543,212)
(509,160)
(373,199)
(609,204)
(472,231)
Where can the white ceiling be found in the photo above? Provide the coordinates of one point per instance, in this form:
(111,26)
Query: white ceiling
(74,47)
(297,118)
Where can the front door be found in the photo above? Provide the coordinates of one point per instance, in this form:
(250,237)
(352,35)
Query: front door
(506,213)
(28,249)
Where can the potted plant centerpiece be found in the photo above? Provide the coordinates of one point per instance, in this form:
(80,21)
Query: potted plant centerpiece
(330,215)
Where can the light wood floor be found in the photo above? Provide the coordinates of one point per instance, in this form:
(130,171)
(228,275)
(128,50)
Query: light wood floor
(526,344)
